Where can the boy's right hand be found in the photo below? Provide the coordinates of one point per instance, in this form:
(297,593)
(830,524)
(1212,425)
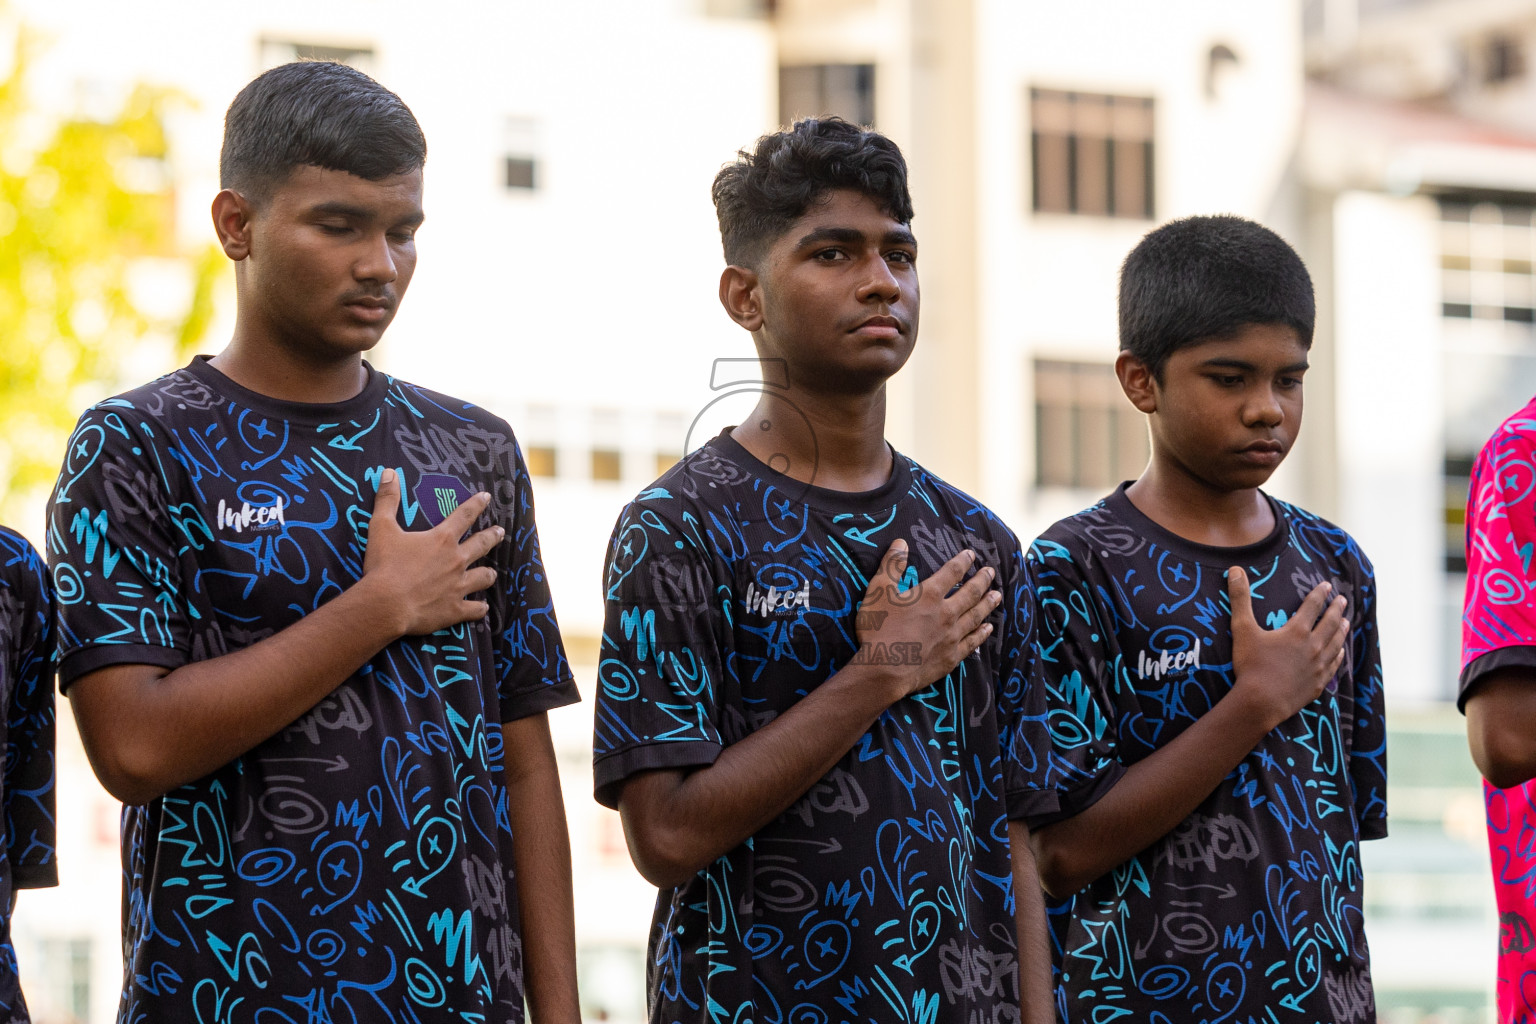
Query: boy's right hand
(424,576)
(1280,671)
(915,637)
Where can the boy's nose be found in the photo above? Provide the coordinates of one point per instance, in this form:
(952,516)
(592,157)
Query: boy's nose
(1264,408)
(880,281)
(377,263)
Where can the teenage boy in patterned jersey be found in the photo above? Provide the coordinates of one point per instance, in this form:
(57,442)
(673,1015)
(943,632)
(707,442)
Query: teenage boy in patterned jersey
(26,788)
(815,652)
(1498,680)
(304,626)
(1209,658)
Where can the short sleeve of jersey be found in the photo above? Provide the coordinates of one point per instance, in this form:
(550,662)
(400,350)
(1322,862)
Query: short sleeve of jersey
(26,641)
(1368,744)
(660,669)
(1072,671)
(113,550)
(1025,736)
(534,673)
(1498,626)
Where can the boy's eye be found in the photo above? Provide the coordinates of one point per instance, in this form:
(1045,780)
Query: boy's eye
(901,256)
(830,255)
(1227,380)
(334,229)
(1290,382)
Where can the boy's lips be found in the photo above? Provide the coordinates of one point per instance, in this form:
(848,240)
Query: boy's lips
(881,327)
(1263,452)
(370,308)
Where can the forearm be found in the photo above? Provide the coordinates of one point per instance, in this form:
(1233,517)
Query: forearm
(1035,992)
(1150,800)
(148,731)
(677,824)
(542,847)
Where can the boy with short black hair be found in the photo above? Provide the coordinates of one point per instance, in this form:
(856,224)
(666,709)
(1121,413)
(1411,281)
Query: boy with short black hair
(1214,776)
(26,791)
(815,657)
(308,638)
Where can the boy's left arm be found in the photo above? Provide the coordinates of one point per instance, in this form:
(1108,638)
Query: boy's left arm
(29,755)
(536,810)
(1036,1005)
(533,677)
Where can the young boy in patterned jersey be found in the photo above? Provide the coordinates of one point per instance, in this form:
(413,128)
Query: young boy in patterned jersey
(1498,681)
(304,626)
(815,653)
(26,790)
(1209,658)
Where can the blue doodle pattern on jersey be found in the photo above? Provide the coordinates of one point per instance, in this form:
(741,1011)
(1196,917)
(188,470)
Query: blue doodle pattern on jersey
(26,685)
(358,865)
(884,893)
(1250,910)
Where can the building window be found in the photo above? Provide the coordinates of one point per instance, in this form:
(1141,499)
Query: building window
(1503,60)
(1091,154)
(1488,359)
(1086,434)
(285,51)
(823,90)
(520,154)
(1487,251)
(607,464)
(539,440)
(1458,482)
(541,460)
(66,978)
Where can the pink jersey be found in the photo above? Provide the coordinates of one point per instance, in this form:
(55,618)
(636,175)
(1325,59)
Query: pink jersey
(1499,631)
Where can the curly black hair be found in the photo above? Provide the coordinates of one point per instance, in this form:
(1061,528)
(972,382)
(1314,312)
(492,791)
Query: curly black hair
(768,188)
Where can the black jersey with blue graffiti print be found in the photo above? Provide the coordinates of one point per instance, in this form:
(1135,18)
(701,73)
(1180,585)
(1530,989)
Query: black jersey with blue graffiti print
(885,893)
(1250,910)
(357,866)
(26,684)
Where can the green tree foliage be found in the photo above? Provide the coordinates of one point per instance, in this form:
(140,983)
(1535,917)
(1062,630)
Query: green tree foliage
(81,211)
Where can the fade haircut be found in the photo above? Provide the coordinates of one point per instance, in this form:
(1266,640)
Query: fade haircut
(1208,277)
(318,114)
(767,189)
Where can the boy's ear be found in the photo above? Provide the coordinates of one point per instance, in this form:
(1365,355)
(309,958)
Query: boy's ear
(742,297)
(1137,381)
(232,222)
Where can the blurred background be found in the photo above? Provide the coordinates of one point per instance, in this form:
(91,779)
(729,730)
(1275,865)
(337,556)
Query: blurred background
(567,281)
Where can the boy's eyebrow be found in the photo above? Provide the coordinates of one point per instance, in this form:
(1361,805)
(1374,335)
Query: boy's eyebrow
(853,236)
(337,208)
(1229,363)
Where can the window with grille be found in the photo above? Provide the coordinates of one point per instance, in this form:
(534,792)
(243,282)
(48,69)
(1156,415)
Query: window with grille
(1087,435)
(1091,154)
(822,90)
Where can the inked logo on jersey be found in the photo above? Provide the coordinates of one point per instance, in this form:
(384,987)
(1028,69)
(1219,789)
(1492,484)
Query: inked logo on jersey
(1156,667)
(247,518)
(774,601)
(439,495)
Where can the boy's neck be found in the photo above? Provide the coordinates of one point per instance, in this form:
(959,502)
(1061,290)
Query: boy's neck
(1197,512)
(288,377)
(836,442)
